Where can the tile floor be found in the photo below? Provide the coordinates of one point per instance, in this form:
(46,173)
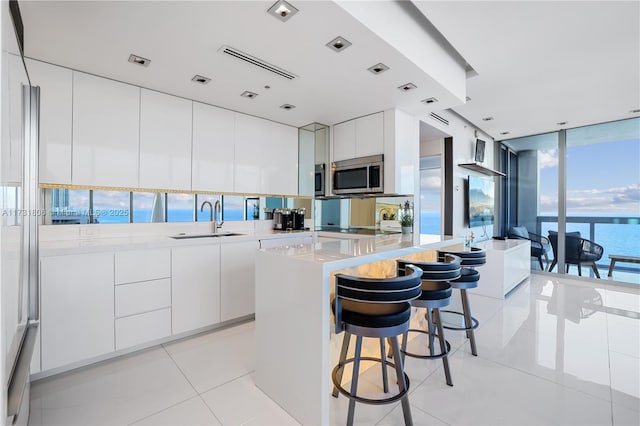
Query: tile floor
(555,352)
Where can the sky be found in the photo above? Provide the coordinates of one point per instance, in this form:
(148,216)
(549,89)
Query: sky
(601,178)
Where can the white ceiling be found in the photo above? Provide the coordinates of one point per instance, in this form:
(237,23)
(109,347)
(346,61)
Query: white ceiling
(538,63)
(544,62)
(182,39)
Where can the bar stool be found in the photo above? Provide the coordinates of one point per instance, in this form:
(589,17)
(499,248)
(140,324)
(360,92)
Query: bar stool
(379,308)
(436,293)
(469,278)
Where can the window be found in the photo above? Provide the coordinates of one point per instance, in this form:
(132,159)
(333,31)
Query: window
(67,206)
(252,208)
(143,204)
(232,207)
(180,207)
(430,195)
(111,207)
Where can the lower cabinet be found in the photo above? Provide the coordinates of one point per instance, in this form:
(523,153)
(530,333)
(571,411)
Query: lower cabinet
(195,287)
(141,328)
(237,262)
(77,308)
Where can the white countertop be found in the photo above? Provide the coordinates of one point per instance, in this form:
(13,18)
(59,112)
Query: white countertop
(141,242)
(349,252)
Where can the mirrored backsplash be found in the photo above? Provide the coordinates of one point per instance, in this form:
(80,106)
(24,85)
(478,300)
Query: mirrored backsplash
(64,206)
(362,214)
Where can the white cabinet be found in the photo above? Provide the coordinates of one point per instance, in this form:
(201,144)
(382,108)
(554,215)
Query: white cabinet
(138,329)
(142,265)
(55,120)
(280,171)
(195,287)
(106,118)
(360,137)
(237,293)
(212,166)
(266,157)
(401,153)
(77,308)
(370,135)
(165,141)
(344,140)
(508,264)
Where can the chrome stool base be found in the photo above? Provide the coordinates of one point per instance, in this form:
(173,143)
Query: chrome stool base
(339,369)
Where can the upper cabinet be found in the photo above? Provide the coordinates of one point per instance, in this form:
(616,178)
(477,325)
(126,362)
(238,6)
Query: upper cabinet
(359,137)
(106,118)
(213,148)
(266,157)
(55,120)
(165,141)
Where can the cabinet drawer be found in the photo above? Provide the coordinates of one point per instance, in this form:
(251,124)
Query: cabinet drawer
(138,329)
(142,265)
(142,297)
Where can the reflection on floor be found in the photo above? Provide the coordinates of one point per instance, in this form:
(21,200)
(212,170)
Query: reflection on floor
(556,351)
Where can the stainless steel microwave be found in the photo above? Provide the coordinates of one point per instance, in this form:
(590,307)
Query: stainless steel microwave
(358,175)
(319,180)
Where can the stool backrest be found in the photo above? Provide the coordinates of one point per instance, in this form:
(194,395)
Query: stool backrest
(474,257)
(402,289)
(448,268)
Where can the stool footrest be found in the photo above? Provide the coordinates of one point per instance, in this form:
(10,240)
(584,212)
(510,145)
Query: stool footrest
(474,322)
(436,356)
(334,379)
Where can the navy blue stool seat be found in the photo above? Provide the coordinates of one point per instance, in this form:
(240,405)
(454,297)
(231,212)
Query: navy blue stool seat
(378,308)
(468,279)
(436,293)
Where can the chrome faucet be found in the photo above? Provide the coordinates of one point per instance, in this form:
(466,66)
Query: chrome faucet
(213,214)
(217,208)
(210,210)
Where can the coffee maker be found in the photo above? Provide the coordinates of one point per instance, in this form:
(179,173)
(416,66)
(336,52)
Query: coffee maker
(282,219)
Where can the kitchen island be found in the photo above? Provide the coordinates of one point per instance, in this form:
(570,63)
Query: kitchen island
(295,340)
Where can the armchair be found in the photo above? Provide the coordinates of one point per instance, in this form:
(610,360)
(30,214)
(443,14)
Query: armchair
(539,244)
(578,251)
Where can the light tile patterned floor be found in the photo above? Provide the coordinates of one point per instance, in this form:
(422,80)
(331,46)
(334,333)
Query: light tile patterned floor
(555,352)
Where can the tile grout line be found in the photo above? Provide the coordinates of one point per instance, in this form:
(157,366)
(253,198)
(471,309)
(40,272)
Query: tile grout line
(161,411)
(198,394)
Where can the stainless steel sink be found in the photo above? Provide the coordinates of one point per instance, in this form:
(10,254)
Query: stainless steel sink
(218,235)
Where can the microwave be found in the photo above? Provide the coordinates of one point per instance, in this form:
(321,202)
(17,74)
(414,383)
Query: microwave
(358,175)
(319,180)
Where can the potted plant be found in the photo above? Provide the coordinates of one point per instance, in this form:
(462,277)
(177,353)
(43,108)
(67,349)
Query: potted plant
(406,218)
(406,222)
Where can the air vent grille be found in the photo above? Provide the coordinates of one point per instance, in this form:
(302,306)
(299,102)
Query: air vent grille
(440,119)
(256,62)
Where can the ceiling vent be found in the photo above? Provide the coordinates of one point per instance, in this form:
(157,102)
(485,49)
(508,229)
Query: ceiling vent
(200,79)
(440,119)
(248,94)
(378,68)
(139,60)
(407,87)
(227,50)
(338,44)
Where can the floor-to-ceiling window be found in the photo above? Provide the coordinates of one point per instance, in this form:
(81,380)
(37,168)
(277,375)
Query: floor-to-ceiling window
(586,182)
(430,195)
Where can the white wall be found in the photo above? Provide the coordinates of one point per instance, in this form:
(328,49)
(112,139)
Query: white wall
(464,142)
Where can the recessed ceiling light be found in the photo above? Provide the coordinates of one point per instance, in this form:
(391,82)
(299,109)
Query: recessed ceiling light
(504,133)
(338,44)
(282,10)
(139,60)
(408,86)
(378,68)
(429,101)
(487,119)
(287,106)
(468,99)
(562,123)
(634,111)
(200,79)
(248,94)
